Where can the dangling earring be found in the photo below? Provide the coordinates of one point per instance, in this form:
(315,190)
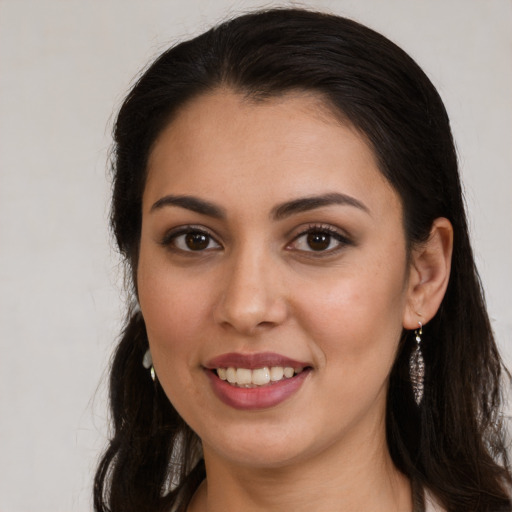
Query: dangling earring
(417,367)
(147,362)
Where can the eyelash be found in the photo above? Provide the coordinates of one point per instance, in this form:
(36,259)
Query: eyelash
(322,229)
(170,238)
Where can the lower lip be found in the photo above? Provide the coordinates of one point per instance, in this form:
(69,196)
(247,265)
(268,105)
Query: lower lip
(261,397)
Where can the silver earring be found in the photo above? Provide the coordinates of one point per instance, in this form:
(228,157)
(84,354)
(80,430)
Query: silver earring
(417,367)
(147,362)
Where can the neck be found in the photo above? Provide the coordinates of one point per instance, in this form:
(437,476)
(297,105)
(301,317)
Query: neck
(350,477)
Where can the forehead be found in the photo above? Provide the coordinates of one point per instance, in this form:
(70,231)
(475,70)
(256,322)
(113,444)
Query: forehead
(279,148)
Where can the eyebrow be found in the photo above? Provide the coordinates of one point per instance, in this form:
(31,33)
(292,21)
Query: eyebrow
(310,203)
(191,203)
(279,212)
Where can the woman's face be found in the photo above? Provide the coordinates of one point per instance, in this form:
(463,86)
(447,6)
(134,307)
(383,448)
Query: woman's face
(271,246)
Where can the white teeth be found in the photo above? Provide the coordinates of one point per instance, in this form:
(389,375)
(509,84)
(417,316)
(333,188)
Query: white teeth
(231,375)
(288,372)
(244,377)
(260,376)
(276,373)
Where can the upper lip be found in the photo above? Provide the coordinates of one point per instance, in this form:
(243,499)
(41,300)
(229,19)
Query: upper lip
(253,361)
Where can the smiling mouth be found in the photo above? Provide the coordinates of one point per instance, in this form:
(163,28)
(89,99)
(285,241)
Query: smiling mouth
(257,377)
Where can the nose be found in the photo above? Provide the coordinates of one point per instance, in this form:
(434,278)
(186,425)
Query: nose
(252,297)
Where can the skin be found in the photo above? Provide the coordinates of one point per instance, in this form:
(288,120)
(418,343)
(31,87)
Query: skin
(257,286)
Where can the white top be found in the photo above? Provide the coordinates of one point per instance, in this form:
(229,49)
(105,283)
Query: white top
(431,504)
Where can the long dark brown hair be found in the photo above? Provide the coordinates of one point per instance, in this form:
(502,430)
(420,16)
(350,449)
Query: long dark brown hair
(453,444)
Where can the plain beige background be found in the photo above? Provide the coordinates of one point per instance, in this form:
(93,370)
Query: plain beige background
(64,67)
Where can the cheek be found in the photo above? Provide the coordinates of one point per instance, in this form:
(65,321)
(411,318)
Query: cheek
(175,324)
(356,333)
(175,311)
(356,318)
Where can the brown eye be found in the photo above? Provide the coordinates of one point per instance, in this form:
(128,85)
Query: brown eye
(197,241)
(190,240)
(319,241)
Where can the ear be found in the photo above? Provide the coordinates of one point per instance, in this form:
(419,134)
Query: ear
(429,274)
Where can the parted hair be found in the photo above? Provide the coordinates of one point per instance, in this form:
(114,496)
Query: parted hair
(453,444)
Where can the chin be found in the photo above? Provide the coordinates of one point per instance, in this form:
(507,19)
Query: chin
(261,446)
(258,457)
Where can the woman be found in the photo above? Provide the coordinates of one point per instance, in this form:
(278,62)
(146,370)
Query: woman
(312,334)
